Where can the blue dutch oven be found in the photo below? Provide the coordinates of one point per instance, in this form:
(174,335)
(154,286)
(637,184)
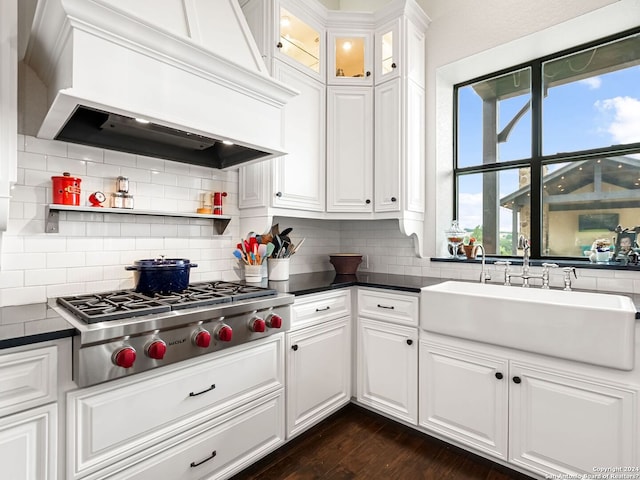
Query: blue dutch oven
(163,275)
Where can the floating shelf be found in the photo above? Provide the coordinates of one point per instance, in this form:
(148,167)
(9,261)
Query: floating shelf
(53,210)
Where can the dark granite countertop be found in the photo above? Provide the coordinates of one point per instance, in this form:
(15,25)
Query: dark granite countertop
(306,283)
(25,324)
(33,323)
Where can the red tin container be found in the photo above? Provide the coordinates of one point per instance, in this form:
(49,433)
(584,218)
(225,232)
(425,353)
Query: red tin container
(66,189)
(217,202)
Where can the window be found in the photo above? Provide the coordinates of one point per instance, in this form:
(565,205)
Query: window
(551,145)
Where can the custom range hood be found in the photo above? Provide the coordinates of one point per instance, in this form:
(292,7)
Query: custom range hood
(175,79)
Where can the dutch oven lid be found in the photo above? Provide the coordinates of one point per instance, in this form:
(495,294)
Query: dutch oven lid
(163,262)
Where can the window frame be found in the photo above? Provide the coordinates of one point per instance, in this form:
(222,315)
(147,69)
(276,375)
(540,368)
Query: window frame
(537,160)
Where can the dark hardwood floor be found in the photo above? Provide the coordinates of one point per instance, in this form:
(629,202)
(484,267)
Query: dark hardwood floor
(357,443)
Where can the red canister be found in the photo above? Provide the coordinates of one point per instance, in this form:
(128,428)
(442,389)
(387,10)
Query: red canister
(217,202)
(66,189)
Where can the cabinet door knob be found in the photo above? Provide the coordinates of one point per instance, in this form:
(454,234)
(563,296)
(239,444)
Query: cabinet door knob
(393,65)
(409,341)
(517,380)
(278,194)
(368,74)
(394,199)
(367,201)
(294,348)
(279,44)
(499,376)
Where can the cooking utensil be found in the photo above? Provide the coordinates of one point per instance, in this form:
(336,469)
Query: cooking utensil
(296,247)
(161,275)
(238,254)
(262,252)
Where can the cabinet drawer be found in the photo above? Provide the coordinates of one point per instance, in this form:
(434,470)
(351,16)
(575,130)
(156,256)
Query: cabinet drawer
(387,306)
(113,421)
(321,307)
(222,447)
(27,379)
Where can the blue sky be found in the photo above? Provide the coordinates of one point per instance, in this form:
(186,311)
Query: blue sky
(590,113)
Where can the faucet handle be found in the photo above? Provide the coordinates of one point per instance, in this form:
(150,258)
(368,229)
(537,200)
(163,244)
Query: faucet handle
(506,263)
(567,276)
(550,265)
(545,273)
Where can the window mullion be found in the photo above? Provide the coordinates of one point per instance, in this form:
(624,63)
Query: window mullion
(536,163)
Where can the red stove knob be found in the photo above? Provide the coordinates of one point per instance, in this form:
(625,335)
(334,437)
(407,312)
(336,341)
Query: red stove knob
(202,339)
(224,333)
(274,321)
(257,324)
(156,349)
(124,357)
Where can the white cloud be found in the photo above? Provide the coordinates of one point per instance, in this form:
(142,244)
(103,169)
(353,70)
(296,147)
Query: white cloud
(592,82)
(625,124)
(470,208)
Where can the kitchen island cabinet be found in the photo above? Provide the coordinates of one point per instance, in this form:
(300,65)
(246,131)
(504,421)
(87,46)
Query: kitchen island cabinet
(318,359)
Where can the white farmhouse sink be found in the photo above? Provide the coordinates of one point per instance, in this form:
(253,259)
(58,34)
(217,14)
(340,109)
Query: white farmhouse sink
(594,328)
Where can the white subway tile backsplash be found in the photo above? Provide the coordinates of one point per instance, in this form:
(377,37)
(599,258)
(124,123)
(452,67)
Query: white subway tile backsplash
(48,276)
(73,229)
(23,261)
(135,174)
(88,274)
(32,161)
(162,178)
(119,244)
(65,259)
(102,258)
(119,158)
(12,244)
(28,194)
(22,295)
(63,164)
(45,243)
(11,279)
(66,289)
(85,152)
(135,230)
(106,170)
(96,229)
(47,147)
(37,178)
(150,163)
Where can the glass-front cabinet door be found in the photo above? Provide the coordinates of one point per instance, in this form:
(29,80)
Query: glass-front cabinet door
(350,58)
(387,52)
(300,42)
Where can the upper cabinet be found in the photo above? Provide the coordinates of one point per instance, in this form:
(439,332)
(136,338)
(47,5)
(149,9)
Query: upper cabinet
(350,57)
(8,104)
(387,48)
(300,42)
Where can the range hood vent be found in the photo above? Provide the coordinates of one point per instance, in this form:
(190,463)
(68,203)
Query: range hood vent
(190,68)
(88,126)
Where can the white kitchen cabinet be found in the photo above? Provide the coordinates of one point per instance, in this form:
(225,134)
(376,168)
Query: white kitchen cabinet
(28,444)
(547,420)
(318,358)
(295,181)
(387,51)
(8,105)
(387,358)
(464,397)
(350,57)
(388,368)
(318,373)
(120,423)
(29,390)
(349,149)
(563,424)
(217,448)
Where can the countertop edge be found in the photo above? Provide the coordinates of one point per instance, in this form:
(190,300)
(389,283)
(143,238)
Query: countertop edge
(36,338)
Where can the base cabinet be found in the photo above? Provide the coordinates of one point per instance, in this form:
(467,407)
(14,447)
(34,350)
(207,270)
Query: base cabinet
(121,423)
(388,368)
(318,358)
(27,444)
(548,421)
(318,373)
(219,448)
(560,424)
(464,397)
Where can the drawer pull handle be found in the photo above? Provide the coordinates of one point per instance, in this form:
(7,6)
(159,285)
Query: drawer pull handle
(196,464)
(388,307)
(322,309)
(192,394)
